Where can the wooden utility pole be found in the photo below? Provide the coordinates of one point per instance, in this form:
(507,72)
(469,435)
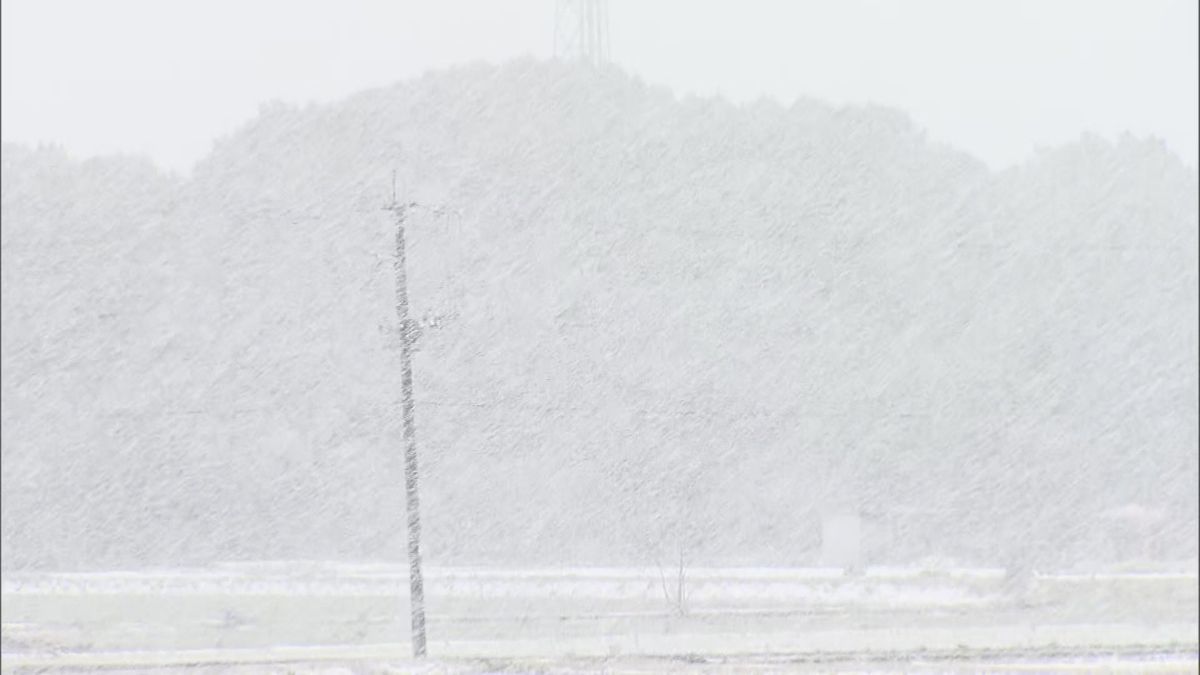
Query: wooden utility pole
(416,584)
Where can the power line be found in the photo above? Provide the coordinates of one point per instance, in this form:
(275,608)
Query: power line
(744,413)
(783,233)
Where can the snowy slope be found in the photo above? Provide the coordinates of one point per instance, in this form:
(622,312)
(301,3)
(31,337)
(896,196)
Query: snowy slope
(669,324)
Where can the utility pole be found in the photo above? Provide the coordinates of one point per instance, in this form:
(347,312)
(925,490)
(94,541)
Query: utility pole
(416,584)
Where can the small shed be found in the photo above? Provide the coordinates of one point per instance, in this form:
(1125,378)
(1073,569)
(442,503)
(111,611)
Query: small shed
(842,540)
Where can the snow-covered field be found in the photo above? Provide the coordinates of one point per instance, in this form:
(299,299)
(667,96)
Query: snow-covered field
(796,618)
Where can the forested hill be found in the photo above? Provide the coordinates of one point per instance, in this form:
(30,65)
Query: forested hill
(652,323)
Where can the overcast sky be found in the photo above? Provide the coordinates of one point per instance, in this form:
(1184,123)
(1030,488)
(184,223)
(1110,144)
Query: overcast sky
(998,78)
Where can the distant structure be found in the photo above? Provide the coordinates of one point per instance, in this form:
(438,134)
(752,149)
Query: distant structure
(581,31)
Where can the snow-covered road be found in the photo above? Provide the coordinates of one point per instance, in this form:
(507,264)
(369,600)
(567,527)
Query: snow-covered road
(242,615)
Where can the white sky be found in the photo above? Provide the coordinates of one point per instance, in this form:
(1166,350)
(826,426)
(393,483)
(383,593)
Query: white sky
(995,77)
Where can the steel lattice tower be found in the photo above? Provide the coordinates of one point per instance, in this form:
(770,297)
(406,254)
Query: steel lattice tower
(581,31)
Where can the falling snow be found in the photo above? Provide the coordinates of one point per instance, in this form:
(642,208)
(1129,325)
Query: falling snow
(690,378)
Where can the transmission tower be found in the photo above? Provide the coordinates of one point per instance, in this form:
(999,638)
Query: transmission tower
(581,31)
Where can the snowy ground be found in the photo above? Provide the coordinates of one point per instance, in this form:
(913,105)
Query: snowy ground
(327,616)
